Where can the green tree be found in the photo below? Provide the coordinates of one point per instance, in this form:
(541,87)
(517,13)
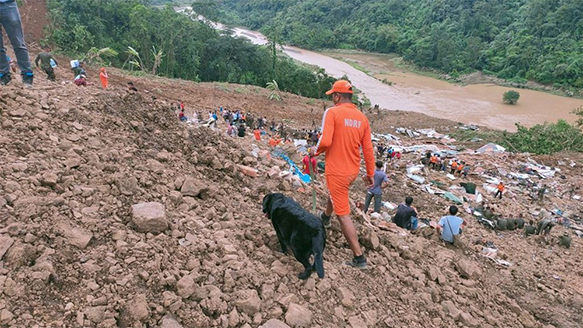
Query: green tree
(511,97)
(164,42)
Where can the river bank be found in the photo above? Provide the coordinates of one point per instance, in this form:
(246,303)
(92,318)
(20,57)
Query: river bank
(479,104)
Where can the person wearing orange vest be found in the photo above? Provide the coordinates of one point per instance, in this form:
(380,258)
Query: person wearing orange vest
(460,168)
(345,130)
(501,189)
(257,134)
(453,166)
(433,161)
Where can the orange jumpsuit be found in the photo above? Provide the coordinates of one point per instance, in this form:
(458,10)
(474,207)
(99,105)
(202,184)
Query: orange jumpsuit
(345,130)
(103,77)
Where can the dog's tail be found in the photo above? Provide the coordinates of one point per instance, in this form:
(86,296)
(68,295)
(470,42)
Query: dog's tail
(318,244)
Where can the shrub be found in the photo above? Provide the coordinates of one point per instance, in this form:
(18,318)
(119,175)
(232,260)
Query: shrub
(511,97)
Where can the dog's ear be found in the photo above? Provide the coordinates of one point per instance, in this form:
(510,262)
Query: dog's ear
(267,202)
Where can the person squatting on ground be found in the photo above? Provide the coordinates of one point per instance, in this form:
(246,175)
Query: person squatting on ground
(345,130)
(11,21)
(45,58)
(405,214)
(380,182)
(450,225)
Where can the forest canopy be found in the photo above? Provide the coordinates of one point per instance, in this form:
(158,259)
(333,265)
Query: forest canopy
(177,46)
(518,40)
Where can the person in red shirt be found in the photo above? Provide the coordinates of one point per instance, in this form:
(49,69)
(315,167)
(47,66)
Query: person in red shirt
(345,131)
(309,162)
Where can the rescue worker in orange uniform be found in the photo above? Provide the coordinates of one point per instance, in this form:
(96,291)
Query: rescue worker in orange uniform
(460,168)
(501,189)
(433,161)
(345,130)
(453,166)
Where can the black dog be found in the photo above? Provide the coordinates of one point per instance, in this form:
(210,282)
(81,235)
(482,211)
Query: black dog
(297,229)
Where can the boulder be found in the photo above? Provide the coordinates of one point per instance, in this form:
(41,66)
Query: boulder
(149,217)
(467,269)
(298,316)
(76,236)
(248,301)
(5,243)
(186,286)
(274,323)
(193,187)
(138,308)
(169,322)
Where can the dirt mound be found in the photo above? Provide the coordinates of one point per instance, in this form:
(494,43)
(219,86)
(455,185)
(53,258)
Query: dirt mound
(34,20)
(114,214)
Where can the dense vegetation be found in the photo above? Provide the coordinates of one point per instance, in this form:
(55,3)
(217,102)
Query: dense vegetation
(545,138)
(539,40)
(174,46)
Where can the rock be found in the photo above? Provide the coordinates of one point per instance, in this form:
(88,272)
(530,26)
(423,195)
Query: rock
(248,301)
(77,237)
(450,309)
(169,322)
(185,286)
(467,269)
(356,322)
(49,179)
(469,320)
(274,323)
(138,308)
(5,243)
(346,296)
(96,313)
(193,187)
(5,316)
(127,185)
(19,112)
(149,217)
(73,162)
(527,320)
(370,239)
(298,316)
(248,171)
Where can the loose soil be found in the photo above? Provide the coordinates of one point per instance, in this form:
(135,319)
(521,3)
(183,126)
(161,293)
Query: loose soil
(74,162)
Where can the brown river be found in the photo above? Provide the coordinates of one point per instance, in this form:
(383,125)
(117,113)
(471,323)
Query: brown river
(473,104)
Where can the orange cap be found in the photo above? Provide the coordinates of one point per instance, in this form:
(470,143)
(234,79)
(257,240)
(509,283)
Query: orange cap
(341,86)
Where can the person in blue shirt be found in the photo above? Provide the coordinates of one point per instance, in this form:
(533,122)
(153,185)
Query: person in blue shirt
(450,225)
(11,21)
(380,182)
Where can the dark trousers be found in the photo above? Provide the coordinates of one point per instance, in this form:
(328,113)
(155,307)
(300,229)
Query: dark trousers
(377,202)
(50,73)
(498,193)
(10,21)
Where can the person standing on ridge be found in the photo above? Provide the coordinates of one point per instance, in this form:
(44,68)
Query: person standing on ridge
(104,78)
(11,21)
(45,58)
(345,130)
